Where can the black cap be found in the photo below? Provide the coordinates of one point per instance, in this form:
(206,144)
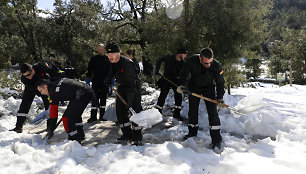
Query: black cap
(112,47)
(52,55)
(181,50)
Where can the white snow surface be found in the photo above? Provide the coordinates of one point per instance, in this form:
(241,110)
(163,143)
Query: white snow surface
(269,138)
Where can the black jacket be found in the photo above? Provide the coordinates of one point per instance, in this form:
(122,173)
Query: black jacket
(202,77)
(42,71)
(98,68)
(125,73)
(172,66)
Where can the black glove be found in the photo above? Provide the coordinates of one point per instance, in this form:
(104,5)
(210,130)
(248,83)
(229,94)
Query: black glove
(220,103)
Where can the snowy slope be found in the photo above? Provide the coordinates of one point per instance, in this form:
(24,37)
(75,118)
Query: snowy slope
(269,138)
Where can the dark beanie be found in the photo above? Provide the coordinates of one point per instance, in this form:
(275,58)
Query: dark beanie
(52,55)
(181,51)
(112,47)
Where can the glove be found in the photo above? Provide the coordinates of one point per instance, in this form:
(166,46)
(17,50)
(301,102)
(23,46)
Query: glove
(50,134)
(88,81)
(181,89)
(131,111)
(220,103)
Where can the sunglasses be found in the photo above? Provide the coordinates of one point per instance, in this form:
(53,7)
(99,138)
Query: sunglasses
(30,73)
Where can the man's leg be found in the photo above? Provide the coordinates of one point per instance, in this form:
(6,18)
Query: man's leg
(193,116)
(164,90)
(213,118)
(178,104)
(94,110)
(104,92)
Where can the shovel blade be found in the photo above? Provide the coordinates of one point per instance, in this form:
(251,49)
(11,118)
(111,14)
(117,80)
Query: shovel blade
(40,118)
(110,113)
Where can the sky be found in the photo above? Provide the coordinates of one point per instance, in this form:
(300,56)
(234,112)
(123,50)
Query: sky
(48,4)
(270,137)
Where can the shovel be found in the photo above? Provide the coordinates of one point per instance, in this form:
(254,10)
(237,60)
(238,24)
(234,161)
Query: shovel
(142,118)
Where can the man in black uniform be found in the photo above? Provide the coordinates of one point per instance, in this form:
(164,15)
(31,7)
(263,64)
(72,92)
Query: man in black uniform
(30,75)
(78,94)
(56,71)
(131,55)
(98,68)
(123,69)
(173,65)
(205,71)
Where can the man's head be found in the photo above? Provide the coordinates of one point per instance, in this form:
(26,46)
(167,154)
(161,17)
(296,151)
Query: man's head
(113,52)
(101,49)
(206,57)
(27,70)
(42,86)
(130,53)
(52,58)
(181,54)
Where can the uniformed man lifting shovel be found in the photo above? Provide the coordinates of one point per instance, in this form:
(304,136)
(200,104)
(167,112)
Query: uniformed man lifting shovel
(78,94)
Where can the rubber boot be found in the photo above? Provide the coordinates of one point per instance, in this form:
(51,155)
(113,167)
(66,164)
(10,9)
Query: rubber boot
(102,111)
(193,131)
(93,115)
(177,114)
(19,124)
(216,138)
(127,134)
(79,136)
(137,135)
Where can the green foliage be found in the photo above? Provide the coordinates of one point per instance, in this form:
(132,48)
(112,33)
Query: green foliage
(10,79)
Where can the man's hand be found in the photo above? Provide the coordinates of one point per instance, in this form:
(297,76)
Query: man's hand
(181,89)
(221,103)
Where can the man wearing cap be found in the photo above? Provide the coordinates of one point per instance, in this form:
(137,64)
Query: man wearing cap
(206,78)
(173,65)
(30,75)
(123,69)
(56,68)
(97,70)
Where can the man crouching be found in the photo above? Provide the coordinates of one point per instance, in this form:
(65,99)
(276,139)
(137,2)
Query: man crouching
(78,95)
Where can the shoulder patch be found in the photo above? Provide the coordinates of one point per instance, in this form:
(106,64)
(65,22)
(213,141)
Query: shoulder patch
(221,72)
(47,65)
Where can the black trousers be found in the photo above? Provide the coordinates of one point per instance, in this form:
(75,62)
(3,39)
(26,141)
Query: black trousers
(121,108)
(101,95)
(213,116)
(72,117)
(165,86)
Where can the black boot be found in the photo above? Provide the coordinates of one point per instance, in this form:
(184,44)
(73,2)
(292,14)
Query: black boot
(77,135)
(102,111)
(127,133)
(93,115)
(137,135)
(216,138)
(193,131)
(19,124)
(177,114)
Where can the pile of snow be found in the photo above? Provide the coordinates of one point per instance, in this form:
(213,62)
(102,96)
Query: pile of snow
(269,138)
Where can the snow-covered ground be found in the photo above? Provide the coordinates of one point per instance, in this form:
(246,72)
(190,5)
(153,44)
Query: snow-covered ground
(269,138)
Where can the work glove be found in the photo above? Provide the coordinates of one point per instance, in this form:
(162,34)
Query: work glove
(220,103)
(88,81)
(131,111)
(181,89)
